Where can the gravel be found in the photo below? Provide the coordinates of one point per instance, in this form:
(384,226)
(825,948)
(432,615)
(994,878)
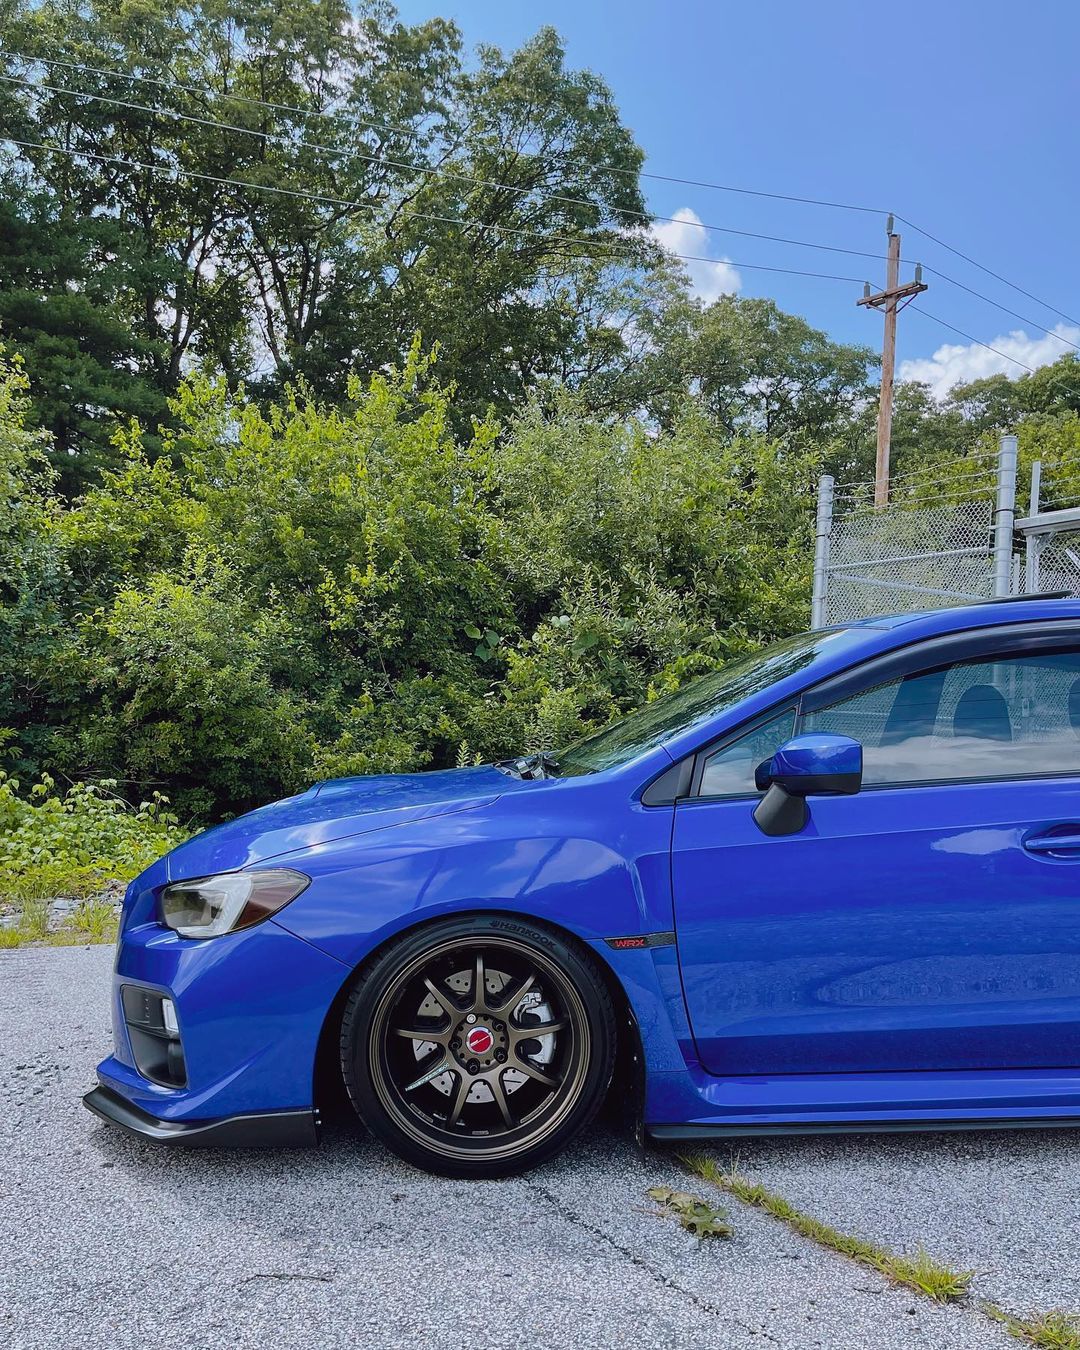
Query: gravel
(60,911)
(106,1241)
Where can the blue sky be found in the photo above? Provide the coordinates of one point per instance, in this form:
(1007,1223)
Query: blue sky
(962,115)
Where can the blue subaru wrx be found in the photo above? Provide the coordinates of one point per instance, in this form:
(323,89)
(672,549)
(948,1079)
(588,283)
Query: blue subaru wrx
(834,886)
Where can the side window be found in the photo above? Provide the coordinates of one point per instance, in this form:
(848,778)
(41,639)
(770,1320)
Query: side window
(729,771)
(997,717)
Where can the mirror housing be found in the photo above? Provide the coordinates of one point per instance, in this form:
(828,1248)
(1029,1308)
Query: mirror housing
(818,762)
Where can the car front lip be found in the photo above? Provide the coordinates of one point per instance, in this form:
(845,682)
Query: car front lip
(264,1129)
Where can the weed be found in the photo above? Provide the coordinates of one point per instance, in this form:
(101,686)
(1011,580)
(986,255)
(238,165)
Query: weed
(693,1214)
(68,844)
(1051,1331)
(919,1272)
(94,920)
(33,915)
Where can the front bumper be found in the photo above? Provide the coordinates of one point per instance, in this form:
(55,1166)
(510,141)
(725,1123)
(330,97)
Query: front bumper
(250,1008)
(267,1129)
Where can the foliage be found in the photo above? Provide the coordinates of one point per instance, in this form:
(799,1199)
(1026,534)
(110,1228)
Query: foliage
(77,845)
(70,843)
(306,591)
(750,367)
(1055,1330)
(402,178)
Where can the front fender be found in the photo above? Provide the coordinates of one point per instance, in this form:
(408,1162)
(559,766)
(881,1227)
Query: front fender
(597,873)
(595,870)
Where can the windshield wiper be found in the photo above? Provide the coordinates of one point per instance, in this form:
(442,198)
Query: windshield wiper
(540,764)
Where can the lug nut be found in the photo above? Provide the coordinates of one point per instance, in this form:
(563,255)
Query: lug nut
(500,1055)
(473,1066)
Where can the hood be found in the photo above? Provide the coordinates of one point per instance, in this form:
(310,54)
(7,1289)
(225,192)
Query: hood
(337,809)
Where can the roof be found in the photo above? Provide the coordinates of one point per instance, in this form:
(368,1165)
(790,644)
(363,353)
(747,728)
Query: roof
(1004,609)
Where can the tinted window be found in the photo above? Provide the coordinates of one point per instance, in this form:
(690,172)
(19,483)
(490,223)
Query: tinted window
(998,717)
(729,771)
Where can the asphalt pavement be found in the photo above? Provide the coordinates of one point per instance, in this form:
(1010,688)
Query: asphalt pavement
(109,1242)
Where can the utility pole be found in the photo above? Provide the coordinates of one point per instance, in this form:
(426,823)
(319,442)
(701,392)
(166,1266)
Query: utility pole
(889,301)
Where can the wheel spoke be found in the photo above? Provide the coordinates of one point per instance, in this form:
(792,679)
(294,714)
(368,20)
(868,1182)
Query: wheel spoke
(460,1096)
(532,1071)
(479,993)
(528,1033)
(508,1005)
(444,999)
(499,1093)
(422,1034)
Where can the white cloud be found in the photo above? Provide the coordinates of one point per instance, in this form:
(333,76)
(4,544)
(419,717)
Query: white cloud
(956,363)
(685,234)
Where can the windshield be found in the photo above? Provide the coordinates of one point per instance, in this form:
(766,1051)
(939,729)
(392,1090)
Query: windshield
(622,741)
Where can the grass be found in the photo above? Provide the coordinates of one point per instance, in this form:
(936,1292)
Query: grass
(919,1272)
(92,920)
(1055,1330)
(1051,1331)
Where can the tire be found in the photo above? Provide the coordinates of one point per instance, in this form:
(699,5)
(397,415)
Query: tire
(478,1046)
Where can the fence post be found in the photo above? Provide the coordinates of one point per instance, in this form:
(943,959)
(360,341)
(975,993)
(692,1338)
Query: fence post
(1031,547)
(822,543)
(1004,515)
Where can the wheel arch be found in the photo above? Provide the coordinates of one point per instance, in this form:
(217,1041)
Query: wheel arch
(628,1078)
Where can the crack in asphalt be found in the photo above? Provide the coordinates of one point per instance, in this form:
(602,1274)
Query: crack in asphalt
(656,1275)
(288,1275)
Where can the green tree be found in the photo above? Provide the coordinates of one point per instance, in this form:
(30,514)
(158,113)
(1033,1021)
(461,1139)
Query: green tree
(746,363)
(374,151)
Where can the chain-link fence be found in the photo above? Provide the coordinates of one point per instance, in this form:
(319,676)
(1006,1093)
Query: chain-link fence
(909,557)
(1059,564)
(1052,538)
(923,552)
(938,542)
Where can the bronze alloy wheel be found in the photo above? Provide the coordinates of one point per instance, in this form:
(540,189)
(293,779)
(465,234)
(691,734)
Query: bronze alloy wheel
(478,1046)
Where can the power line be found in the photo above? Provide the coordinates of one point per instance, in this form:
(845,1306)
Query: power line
(462,221)
(202,93)
(656,177)
(918,309)
(429,170)
(475,180)
(480,181)
(989,271)
(1004,308)
(381,126)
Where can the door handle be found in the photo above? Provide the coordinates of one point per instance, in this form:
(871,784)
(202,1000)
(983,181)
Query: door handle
(1056,845)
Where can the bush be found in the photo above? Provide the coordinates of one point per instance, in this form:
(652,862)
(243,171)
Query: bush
(296,592)
(72,844)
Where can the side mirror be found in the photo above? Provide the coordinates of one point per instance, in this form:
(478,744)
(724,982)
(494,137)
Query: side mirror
(805,765)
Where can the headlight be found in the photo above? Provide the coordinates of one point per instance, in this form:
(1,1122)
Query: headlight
(209,906)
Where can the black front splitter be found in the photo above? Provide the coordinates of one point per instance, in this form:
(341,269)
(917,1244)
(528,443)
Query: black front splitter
(267,1129)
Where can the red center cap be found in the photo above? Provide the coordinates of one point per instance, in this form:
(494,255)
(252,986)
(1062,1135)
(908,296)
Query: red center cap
(479,1040)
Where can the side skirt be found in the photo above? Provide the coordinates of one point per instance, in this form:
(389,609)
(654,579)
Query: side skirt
(662,1132)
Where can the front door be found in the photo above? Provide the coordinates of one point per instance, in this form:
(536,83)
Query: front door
(931,922)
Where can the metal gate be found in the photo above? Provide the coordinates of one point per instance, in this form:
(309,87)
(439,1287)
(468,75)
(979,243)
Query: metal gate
(1051,543)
